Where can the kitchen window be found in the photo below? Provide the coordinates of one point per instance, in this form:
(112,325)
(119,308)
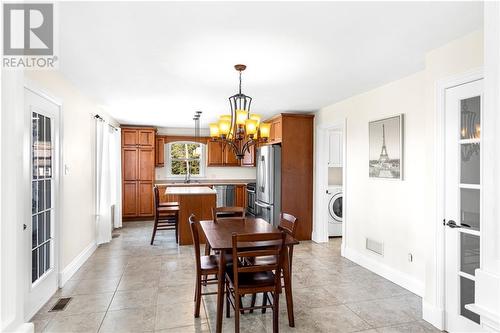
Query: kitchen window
(185,159)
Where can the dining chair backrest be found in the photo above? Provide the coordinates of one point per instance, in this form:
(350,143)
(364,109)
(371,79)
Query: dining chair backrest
(193,225)
(249,247)
(156,197)
(228,212)
(288,224)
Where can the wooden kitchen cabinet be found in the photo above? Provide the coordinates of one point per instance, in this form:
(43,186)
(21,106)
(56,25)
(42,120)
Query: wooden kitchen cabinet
(130,137)
(145,199)
(138,162)
(130,159)
(229,156)
(146,164)
(240,197)
(129,200)
(276,131)
(214,153)
(160,152)
(295,134)
(146,138)
(219,154)
(249,158)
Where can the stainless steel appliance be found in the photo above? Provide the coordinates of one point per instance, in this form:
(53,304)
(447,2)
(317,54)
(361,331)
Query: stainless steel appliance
(268,183)
(251,197)
(225,195)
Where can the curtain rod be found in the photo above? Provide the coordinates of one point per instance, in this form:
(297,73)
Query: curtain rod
(98,117)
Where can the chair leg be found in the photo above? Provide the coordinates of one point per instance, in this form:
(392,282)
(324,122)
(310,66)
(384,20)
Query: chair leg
(241,303)
(264,301)
(276,311)
(228,304)
(177,228)
(252,303)
(198,296)
(207,249)
(237,314)
(154,230)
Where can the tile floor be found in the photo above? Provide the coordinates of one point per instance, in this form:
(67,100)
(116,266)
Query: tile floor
(130,286)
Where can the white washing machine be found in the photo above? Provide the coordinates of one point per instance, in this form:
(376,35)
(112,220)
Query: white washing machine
(335,210)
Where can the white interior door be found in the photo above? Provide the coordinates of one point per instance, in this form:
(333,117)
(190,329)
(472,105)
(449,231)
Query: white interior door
(462,203)
(42,253)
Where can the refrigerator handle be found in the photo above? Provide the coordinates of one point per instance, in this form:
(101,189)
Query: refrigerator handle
(262,205)
(262,166)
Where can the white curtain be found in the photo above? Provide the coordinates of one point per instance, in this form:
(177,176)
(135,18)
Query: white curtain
(103,183)
(115,150)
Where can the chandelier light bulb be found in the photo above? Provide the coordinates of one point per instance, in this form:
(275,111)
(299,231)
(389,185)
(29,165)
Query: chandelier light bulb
(241,117)
(265,130)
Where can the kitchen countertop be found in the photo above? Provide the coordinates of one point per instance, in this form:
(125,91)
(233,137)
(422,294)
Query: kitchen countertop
(204,182)
(191,190)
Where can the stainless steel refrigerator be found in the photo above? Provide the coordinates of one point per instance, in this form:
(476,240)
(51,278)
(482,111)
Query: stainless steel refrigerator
(268,198)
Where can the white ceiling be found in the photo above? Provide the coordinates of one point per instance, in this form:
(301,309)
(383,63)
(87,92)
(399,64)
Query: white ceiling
(155,63)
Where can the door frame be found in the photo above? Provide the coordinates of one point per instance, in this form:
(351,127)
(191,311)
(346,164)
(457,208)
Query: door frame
(438,316)
(58,173)
(320,234)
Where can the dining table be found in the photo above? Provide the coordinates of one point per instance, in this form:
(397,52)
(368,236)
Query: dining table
(219,233)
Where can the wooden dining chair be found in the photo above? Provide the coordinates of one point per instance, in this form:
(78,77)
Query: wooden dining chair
(205,266)
(165,203)
(225,212)
(228,212)
(257,278)
(288,224)
(165,218)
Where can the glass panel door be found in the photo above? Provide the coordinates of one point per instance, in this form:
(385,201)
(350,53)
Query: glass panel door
(462,204)
(470,198)
(42,209)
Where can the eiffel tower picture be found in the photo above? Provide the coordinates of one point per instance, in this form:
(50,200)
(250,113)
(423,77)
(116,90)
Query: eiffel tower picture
(385,137)
(383,154)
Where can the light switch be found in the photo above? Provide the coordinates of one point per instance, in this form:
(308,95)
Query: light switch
(66,169)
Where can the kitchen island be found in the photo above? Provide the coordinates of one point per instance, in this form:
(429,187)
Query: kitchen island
(197,200)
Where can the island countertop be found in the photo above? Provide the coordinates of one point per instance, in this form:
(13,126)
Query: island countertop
(189,190)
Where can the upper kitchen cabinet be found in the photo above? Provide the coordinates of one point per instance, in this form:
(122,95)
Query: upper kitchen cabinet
(249,158)
(130,137)
(160,151)
(335,149)
(138,162)
(214,153)
(146,137)
(276,131)
(219,154)
(229,156)
(135,136)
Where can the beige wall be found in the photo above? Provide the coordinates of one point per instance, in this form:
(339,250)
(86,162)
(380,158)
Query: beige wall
(402,214)
(77,196)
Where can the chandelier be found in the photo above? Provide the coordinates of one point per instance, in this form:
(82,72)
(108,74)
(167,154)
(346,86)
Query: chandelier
(240,130)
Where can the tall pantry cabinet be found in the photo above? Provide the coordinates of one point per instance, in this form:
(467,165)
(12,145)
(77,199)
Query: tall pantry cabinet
(138,171)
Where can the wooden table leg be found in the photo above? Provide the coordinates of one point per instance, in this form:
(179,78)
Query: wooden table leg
(288,289)
(220,291)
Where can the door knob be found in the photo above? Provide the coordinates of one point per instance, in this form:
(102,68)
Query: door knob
(452,224)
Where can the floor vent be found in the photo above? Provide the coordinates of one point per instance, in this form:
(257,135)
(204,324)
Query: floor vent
(375,246)
(61,304)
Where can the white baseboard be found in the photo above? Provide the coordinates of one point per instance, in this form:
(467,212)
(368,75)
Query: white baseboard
(75,264)
(315,237)
(23,328)
(433,315)
(404,280)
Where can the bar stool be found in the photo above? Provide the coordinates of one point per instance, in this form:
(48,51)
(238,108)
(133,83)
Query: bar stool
(166,216)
